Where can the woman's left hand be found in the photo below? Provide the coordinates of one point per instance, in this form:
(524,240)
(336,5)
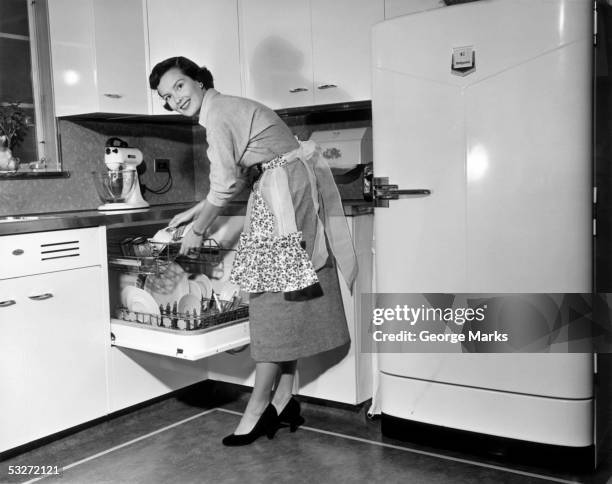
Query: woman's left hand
(191,242)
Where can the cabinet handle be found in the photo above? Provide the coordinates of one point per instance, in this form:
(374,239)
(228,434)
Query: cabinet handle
(114,96)
(326,86)
(10,302)
(298,89)
(41,297)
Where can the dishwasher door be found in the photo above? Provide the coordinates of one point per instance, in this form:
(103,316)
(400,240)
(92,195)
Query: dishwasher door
(149,287)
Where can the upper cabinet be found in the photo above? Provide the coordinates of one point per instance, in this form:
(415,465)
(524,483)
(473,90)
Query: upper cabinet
(205,31)
(397,8)
(276,45)
(341,48)
(98,53)
(304,52)
(284,53)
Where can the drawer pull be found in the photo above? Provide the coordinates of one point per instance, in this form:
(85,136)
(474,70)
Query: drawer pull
(297,89)
(327,86)
(10,302)
(113,96)
(18,252)
(41,297)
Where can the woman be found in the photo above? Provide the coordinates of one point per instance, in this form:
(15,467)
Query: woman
(294,216)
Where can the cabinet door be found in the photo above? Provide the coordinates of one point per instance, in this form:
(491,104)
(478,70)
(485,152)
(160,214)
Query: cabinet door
(276,43)
(205,31)
(98,55)
(12,369)
(121,56)
(57,379)
(74,70)
(341,48)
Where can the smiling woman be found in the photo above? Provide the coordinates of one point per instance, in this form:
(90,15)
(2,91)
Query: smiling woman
(26,109)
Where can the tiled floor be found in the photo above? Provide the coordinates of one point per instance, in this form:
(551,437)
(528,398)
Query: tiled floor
(178,440)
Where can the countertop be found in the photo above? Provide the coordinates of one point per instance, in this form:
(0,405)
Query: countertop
(29,223)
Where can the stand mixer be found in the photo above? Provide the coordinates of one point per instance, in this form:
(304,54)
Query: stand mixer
(119,187)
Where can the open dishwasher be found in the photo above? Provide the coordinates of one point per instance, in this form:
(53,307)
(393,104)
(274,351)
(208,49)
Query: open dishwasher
(175,305)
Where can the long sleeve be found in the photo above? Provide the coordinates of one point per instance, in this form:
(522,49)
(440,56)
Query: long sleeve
(227,178)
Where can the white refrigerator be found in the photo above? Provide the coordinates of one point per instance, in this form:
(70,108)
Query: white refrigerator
(487,105)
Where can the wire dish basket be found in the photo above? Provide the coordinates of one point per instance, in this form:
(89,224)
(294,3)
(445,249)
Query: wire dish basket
(214,313)
(146,256)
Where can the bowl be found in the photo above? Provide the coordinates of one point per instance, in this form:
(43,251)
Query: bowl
(114,186)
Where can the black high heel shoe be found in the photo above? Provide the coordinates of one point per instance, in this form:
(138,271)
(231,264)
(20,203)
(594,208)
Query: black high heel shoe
(266,425)
(291,415)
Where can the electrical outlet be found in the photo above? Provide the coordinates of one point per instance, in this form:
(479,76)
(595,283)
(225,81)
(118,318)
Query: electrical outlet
(161,165)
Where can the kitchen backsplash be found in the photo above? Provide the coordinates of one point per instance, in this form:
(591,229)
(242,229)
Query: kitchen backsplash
(82,145)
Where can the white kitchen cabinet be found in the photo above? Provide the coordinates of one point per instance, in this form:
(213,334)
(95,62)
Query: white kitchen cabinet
(341,375)
(98,52)
(304,52)
(53,334)
(205,31)
(276,46)
(397,8)
(341,49)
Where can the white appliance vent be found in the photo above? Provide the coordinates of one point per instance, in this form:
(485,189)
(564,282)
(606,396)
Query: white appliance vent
(59,250)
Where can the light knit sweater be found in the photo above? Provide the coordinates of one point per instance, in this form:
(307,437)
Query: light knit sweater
(240,133)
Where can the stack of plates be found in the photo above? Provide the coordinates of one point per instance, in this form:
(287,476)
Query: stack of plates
(168,287)
(138,300)
(201,286)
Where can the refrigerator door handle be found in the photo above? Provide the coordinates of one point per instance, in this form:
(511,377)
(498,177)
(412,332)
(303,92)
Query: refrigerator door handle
(384,191)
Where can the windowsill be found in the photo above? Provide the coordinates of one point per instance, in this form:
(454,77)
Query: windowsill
(31,175)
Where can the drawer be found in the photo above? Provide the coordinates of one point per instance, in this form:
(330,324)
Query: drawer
(41,252)
(188,345)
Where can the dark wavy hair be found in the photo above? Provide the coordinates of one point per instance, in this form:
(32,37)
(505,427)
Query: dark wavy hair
(187,67)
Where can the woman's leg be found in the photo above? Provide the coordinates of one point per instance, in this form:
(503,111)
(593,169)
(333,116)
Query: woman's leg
(284,389)
(265,375)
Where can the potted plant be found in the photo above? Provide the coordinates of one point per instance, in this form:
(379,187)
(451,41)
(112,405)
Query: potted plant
(14,125)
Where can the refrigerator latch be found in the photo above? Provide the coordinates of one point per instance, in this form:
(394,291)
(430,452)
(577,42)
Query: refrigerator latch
(383,191)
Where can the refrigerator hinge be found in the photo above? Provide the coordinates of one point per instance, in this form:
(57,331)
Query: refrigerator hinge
(382,191)
(594,209)
(595,23)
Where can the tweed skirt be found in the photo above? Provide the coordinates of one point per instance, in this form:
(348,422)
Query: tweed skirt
(283,330)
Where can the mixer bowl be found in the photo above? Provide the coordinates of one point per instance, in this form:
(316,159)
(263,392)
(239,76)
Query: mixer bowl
(115,186)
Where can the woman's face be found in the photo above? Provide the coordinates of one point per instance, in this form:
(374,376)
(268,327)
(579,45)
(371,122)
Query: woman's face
(182,93)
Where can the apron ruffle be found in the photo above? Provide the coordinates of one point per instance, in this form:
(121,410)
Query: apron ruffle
(272,264)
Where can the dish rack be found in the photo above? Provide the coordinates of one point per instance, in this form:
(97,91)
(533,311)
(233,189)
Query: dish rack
(215,314)
(144,256)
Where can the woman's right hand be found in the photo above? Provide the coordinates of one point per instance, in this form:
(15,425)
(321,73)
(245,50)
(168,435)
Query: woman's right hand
(184,217)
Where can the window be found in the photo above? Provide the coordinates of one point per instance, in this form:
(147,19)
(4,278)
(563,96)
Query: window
(25,81)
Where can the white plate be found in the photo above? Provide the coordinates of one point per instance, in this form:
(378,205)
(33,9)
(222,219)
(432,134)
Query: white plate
(139,301)
(188,304)
(195,289)
(205,285)
(163,236)
(171,234)
(168,287)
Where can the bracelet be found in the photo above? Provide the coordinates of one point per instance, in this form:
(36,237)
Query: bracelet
(199,234)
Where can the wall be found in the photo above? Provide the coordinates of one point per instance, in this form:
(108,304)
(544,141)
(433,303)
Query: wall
(82,145)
